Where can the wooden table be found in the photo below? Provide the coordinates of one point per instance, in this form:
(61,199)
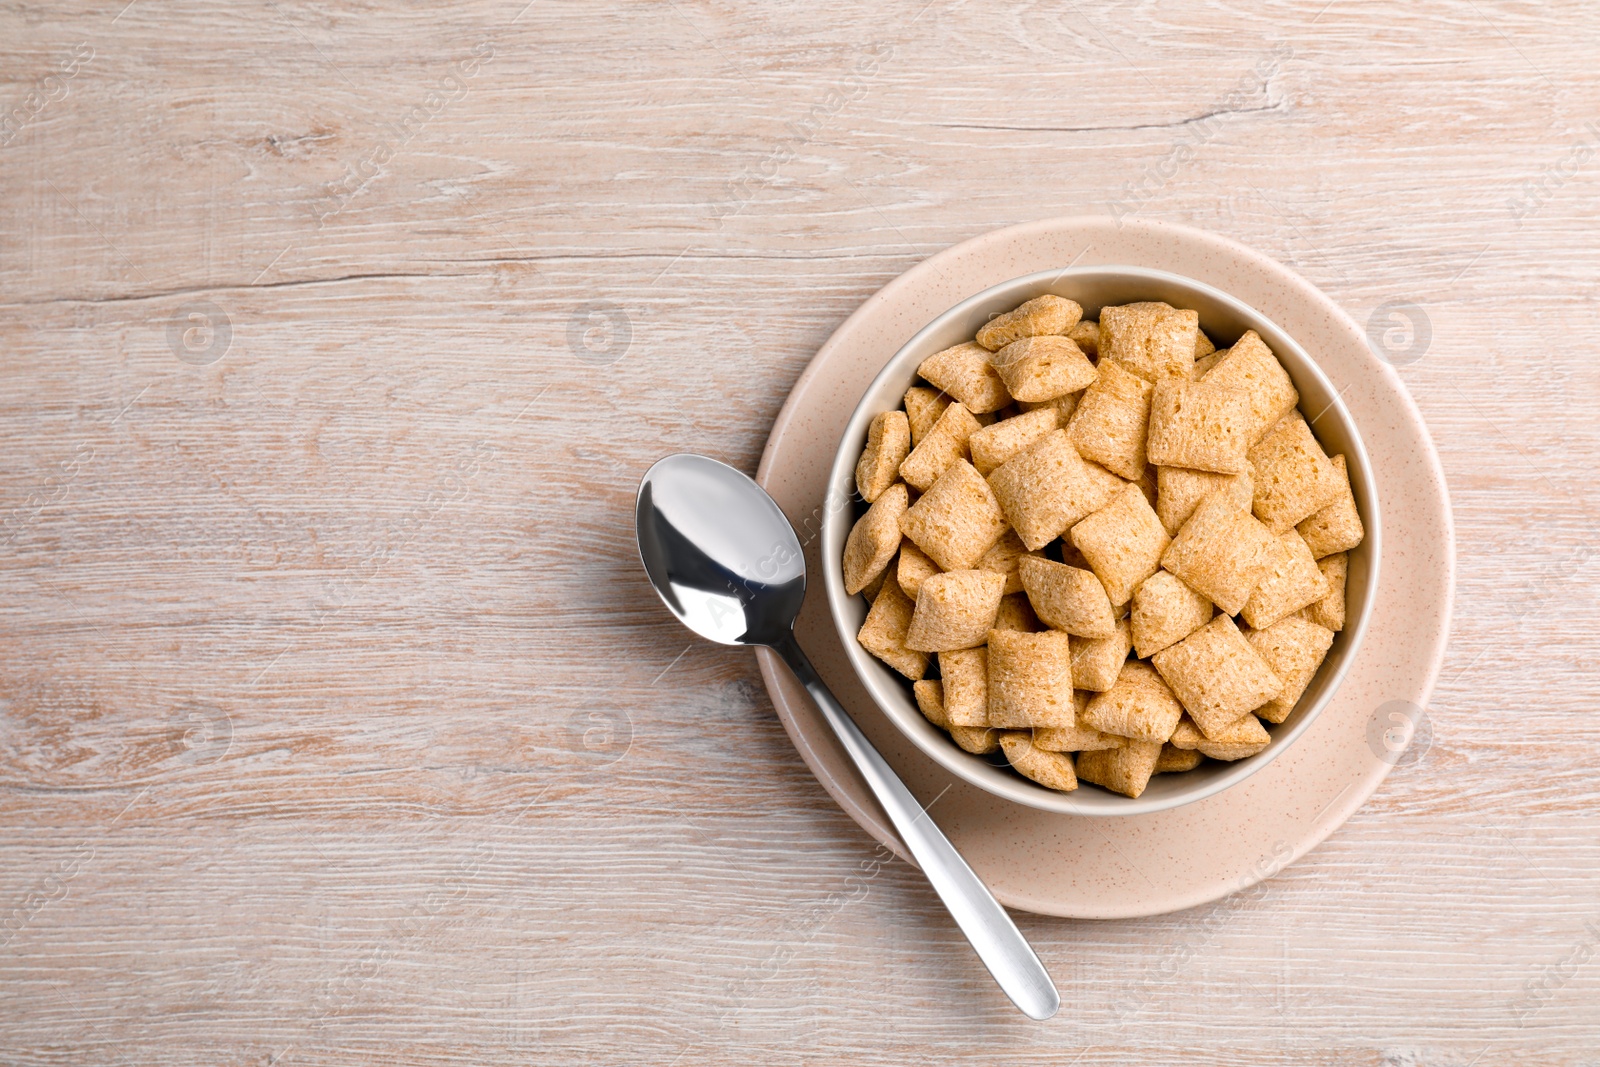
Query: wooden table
(337,722)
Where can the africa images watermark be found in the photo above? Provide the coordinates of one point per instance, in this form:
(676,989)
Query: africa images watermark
(601,735)
(1399,732)
(53,887)
(361,172)
(48,89)
(1547,590)
(1399,332)
(599,332)
(1199,132)
(1537,192)
(200,333)
(55,486)
(1538,991)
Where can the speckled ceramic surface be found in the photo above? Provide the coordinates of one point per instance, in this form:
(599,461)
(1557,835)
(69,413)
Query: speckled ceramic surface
(1112,867)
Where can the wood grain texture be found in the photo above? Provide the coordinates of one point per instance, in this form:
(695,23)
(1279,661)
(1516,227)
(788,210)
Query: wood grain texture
(337,722)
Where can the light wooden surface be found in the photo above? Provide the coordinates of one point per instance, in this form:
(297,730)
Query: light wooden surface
(337,722)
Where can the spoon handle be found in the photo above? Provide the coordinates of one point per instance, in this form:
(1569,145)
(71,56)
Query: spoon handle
(996,938)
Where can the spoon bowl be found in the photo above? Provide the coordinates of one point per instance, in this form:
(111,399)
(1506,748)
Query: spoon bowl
(719,551)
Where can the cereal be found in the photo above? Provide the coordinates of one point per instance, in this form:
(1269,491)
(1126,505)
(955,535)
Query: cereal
(1086,335)
(874,539)
(1174,760)
(1186,735)
(966,686)
(1043,316)
(1030,680)
(1123,543)
(1165,611)
(1096,661)
(965,373)
(1048,487)
(1111,422)
(1295,582)
(1002,558)
(1139,706)
(993,445)
(1337,527)
(1052,769)
(1017,614)
(1251,370)
(957,520)
(1124,770)
(1067,598)
(1037,369)
(1063,406)
(1222,552)
(1240,739)
(1329,611)
(1195,425)
(1147,484)
(943,445)
(1151,339)
(870,593)
(929,694)
(923,408)
(914,568)
(1203,365)
(1178,484)
(1218,675)
(978,740)
(930,701)
(1294,479)
(1070,556)
(1076,738)
(888,444)
(884,632)
(1294,648)
(954,609)
(1180,490)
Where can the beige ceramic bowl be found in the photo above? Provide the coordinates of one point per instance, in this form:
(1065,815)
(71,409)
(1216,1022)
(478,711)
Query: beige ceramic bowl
(1224,319)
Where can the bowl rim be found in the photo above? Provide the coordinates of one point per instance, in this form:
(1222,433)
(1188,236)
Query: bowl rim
(935,743)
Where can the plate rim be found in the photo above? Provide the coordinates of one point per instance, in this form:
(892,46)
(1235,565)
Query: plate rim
(1334,814)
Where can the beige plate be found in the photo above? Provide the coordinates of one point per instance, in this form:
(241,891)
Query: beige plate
(1103,868)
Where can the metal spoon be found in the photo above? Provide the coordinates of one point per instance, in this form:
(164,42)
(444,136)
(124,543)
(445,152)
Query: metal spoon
(724,558)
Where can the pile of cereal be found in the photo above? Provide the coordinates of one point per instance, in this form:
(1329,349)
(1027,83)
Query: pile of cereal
(1059,515)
